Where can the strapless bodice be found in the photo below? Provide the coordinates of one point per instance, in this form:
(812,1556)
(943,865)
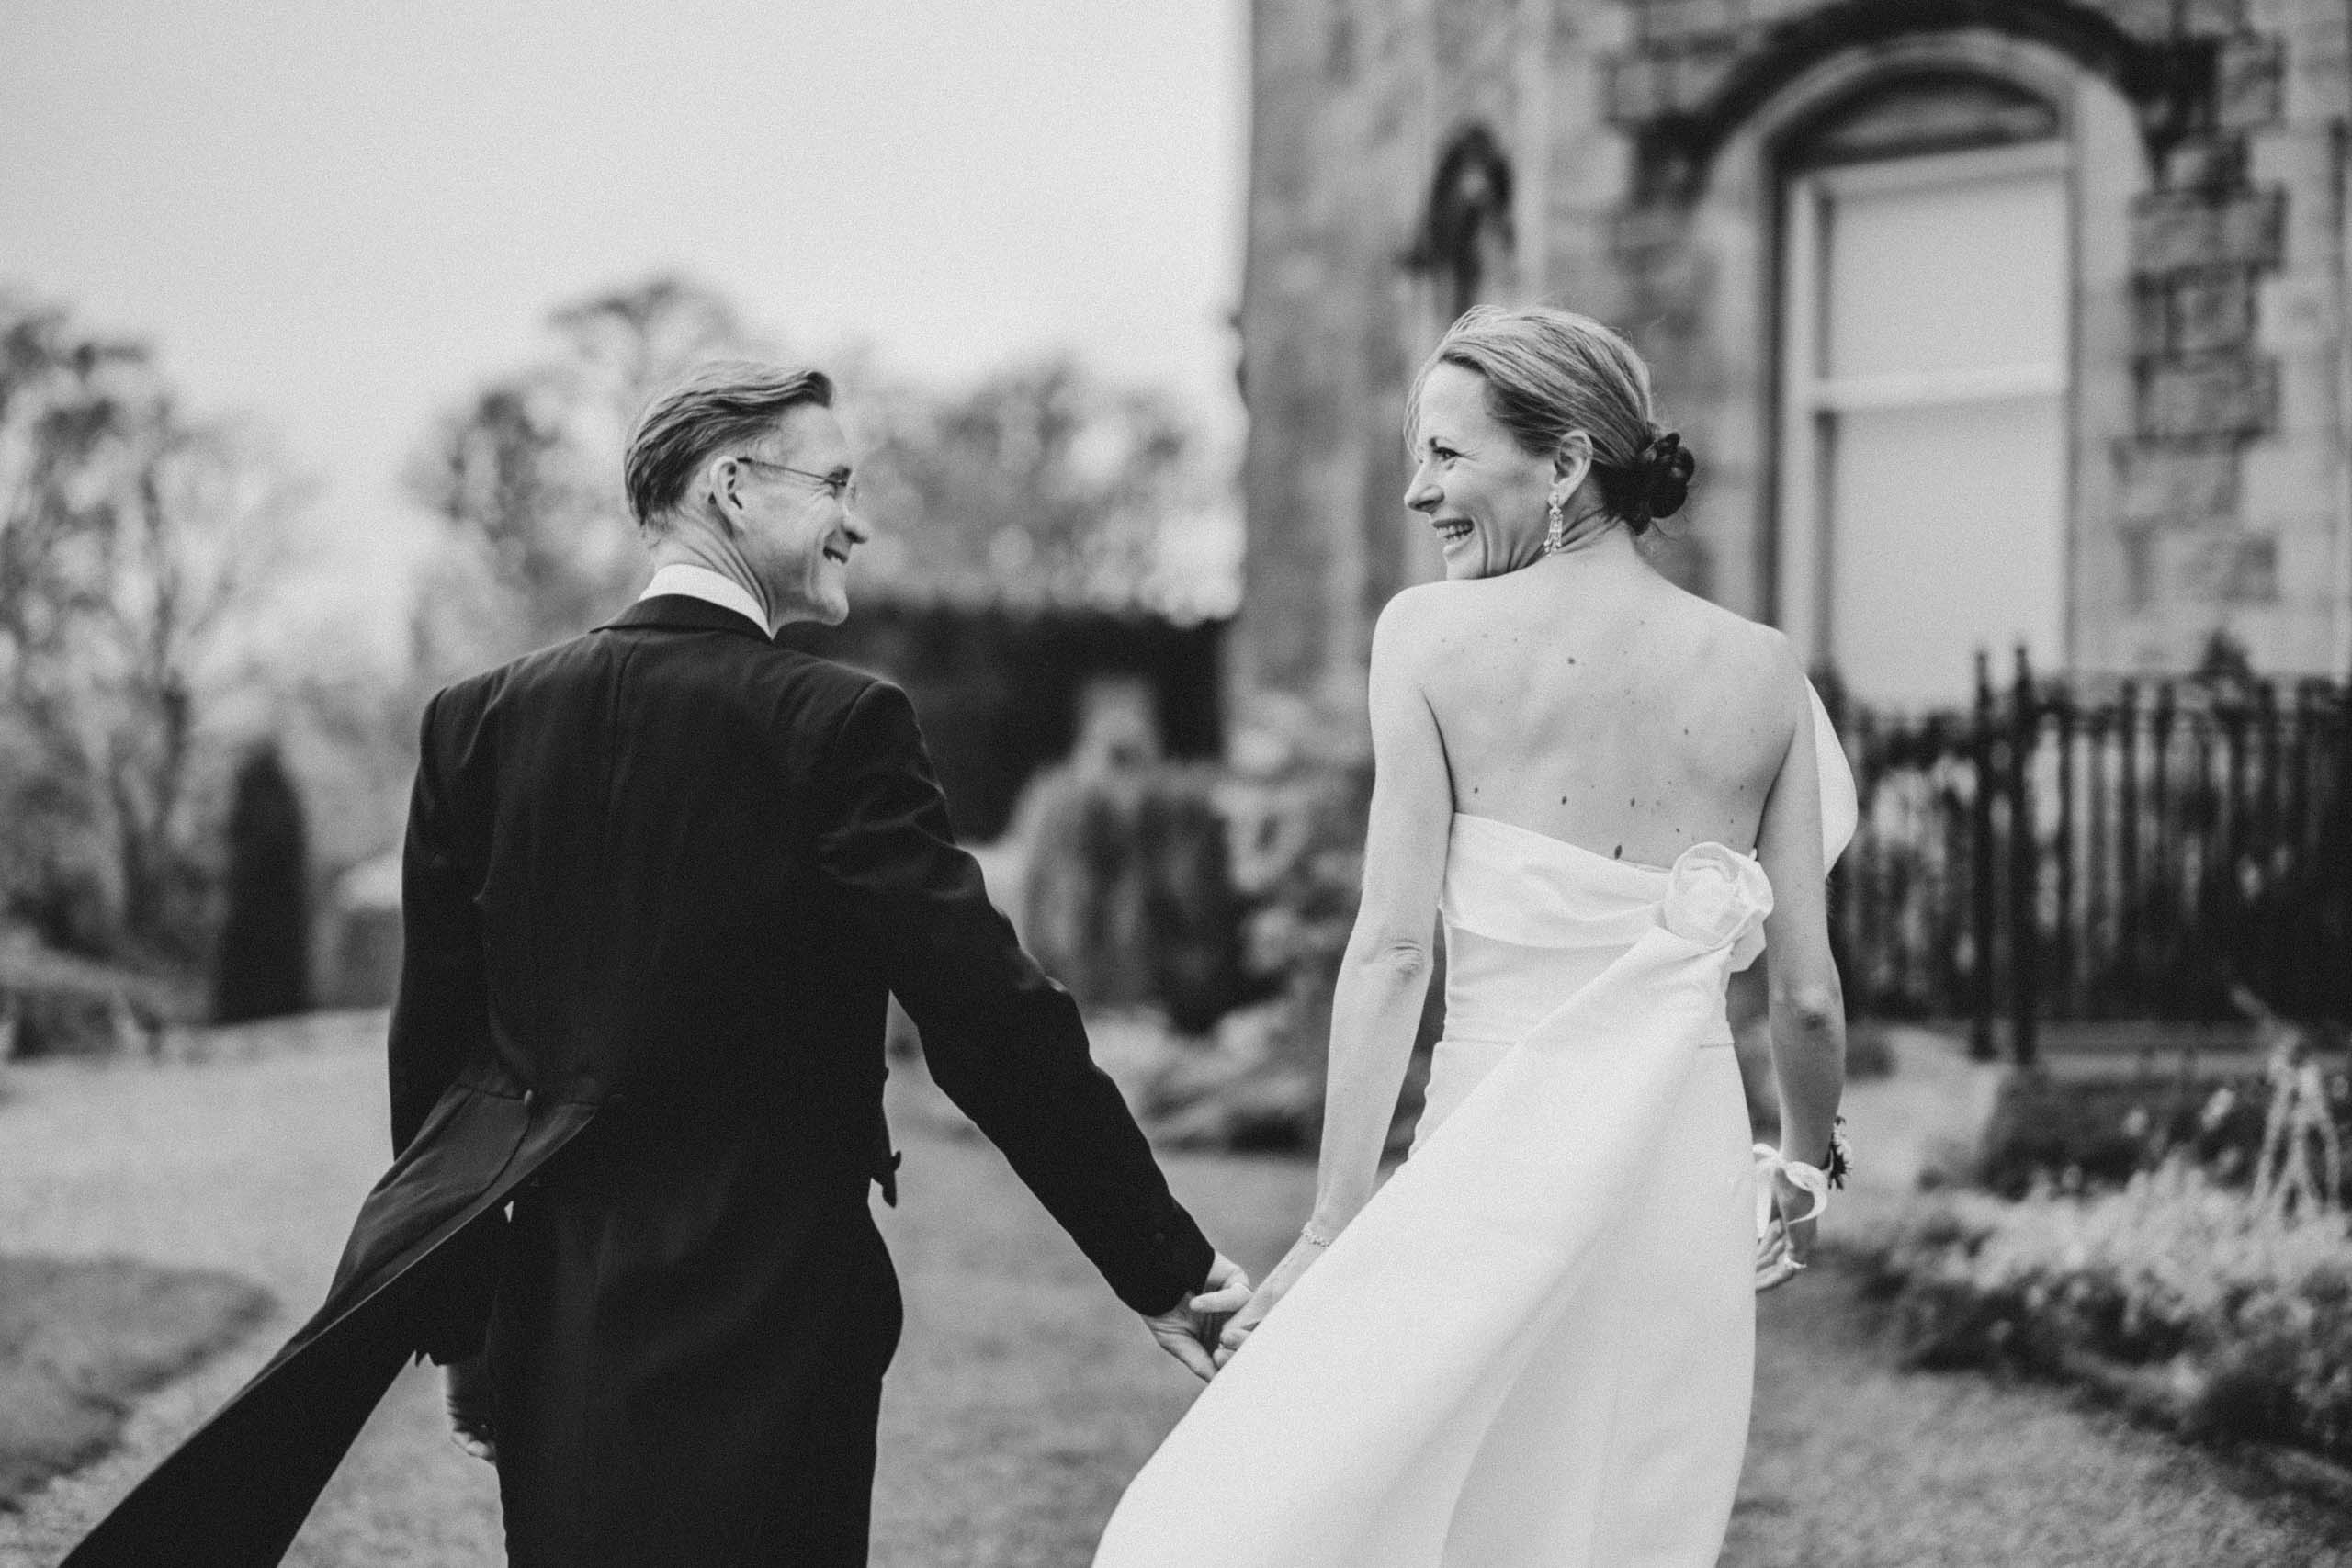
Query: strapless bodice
(1530,918)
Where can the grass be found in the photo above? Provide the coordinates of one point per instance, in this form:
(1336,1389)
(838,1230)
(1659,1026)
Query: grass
(81,1339)
(1024,1397)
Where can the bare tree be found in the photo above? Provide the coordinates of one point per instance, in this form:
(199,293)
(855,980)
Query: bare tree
(526,474)
(128,533)
(1041,485)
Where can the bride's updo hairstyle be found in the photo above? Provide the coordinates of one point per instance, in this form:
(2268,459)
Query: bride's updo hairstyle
(1550,371)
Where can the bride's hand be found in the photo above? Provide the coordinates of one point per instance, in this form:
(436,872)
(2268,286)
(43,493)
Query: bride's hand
(1785,1250)
(1277,1284)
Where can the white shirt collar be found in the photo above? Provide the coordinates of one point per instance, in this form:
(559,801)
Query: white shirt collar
(701,582)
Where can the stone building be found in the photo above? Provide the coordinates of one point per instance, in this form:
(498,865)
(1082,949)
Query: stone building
(1989,320)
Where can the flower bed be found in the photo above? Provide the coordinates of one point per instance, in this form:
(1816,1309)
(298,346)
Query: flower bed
(2197,1306)
(2093,1132)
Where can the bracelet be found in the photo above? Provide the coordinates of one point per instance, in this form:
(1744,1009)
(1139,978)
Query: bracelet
(1839,1159)
(1312,1236)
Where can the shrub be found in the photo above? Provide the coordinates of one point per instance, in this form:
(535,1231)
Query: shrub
(2223,1317)
(1128,897)
(1222,899)
(263,967)
(55,1003)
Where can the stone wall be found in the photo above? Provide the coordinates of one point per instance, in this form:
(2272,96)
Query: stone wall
(2211,488)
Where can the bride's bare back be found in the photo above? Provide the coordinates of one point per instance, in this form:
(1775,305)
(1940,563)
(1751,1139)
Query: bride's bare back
(1593,701)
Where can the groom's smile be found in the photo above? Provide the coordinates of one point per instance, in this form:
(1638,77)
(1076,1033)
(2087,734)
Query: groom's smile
(795,509)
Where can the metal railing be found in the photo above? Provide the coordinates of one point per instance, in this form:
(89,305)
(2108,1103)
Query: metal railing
(2083,849)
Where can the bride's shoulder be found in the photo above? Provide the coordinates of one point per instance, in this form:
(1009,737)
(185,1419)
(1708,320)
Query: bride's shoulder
(1727,633)
(1750,660)
(1417,621)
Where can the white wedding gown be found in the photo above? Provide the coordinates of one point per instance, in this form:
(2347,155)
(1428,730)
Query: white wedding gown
(1536,1344)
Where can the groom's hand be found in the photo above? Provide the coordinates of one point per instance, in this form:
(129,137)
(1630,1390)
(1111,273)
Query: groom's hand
(1187,1330)
(473,1411)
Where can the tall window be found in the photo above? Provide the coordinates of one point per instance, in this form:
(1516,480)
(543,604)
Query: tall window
(1925,336)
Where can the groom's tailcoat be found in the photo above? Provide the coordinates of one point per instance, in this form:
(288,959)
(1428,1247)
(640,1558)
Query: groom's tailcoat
(659,883)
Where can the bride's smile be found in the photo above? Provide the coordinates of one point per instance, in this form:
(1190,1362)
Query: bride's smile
(1485,495)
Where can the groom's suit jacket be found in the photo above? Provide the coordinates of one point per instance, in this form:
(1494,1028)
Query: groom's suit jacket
(659,883)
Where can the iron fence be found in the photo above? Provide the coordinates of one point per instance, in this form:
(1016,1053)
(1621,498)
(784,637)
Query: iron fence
(2084,849)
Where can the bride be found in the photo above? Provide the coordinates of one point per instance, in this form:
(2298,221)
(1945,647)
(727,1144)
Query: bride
(1535,1345)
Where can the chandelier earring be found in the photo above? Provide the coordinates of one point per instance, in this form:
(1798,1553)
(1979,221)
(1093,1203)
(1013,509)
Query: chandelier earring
(1555,538)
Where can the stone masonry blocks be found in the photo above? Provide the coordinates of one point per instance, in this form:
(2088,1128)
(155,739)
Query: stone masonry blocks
(1662,20)
(2210,308)
(2209,395)
(2207,18)
(2175,229)
(2251,90)
(1658,84)
(2231,568)
(2206,164)
(2178,484)
(1639,89)
(2151,315)
(2142,18)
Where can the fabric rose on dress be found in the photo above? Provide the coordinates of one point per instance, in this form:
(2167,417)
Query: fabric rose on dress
(1714,894)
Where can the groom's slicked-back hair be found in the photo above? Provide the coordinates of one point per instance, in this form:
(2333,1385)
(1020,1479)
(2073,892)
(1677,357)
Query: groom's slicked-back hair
(711,406)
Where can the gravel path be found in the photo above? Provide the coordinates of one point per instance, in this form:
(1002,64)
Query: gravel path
(255,1166)
(1024,1397)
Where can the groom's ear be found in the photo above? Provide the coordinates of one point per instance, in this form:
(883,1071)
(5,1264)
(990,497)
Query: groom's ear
(719,482)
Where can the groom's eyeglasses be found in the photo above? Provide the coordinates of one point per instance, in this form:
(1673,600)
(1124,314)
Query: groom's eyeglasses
(841,485)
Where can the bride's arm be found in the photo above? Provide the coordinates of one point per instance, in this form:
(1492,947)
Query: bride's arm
(1807,1001)
(1384,975)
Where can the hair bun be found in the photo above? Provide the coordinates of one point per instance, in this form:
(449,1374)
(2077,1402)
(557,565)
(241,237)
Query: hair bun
(1669,466)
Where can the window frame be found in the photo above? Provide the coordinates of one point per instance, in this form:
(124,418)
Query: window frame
(1808,401)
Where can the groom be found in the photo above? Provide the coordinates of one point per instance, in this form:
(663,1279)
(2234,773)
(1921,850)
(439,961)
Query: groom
(660,881)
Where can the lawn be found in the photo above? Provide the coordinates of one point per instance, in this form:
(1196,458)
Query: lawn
(1023,1395)
(80,1339)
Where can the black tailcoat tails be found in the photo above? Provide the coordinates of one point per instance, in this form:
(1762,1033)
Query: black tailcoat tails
(659,882)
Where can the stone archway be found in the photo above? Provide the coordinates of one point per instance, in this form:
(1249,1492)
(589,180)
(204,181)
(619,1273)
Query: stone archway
(1729,225)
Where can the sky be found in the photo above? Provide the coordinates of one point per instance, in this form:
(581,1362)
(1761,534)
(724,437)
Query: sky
(335,219)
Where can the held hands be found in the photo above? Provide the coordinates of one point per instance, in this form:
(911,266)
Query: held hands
(1187,1329)
(1785,1248)
(473,1411)
(1295,1264)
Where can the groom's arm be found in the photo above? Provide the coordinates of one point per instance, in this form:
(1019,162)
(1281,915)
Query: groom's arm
(1002,1040)
(442,1013)
(440,1019)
